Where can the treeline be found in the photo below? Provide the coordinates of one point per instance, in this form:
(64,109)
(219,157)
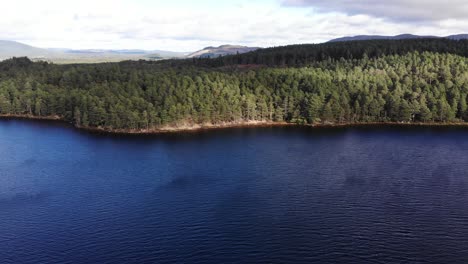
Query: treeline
(309,54)
(411,87)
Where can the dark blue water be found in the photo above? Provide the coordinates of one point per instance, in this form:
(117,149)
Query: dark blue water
(266,195)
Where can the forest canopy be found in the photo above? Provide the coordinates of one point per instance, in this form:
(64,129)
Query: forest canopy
(423,80)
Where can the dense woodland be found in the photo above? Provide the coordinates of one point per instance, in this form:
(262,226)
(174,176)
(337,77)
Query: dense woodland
(309,54)
(422,80)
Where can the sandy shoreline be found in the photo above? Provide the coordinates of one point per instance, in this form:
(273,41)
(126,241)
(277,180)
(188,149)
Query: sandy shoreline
(239,124)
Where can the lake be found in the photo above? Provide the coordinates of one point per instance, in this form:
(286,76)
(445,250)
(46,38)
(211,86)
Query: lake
(257,195)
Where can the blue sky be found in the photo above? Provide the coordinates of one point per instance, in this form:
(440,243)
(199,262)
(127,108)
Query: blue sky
(183,25)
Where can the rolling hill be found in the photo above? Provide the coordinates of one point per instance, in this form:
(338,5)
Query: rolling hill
(213,52)
(9,49)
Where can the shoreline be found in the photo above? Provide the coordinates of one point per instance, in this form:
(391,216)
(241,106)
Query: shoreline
(227,125)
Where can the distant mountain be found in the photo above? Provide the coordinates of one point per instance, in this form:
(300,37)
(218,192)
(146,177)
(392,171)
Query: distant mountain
(10,49)
(458,37)
(126,52)
(213,52)
(403,36)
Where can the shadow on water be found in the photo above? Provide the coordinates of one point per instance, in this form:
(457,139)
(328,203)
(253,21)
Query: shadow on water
(22,198)
(240,131)
(29,162)
(187,181)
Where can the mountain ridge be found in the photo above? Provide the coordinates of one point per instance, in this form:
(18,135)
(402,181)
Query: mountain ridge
(9,49)
(397,37)
(227,49)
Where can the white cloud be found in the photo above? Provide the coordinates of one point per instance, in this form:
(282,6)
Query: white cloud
(188,25)
(409,10)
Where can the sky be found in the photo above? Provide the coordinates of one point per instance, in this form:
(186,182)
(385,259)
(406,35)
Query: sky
(183,25)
